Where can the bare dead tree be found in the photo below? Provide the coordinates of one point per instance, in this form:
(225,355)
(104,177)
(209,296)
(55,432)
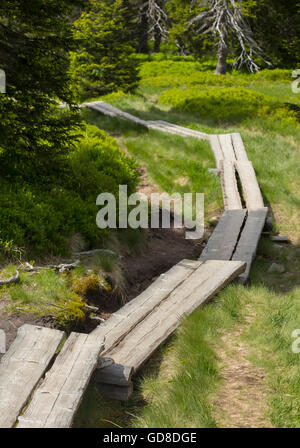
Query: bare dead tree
(157,20)
(225,17)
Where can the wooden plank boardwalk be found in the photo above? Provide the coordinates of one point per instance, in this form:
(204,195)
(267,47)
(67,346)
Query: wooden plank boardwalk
(140,343)
(117,348)
(22,367)
(56,400)
(231,195)
(121,322)
(224,238)
(248,242)
(251,190)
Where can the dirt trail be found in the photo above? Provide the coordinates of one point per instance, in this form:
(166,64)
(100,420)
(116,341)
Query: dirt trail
(241,401)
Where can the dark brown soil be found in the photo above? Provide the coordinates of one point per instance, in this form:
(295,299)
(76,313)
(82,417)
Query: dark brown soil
(165,248)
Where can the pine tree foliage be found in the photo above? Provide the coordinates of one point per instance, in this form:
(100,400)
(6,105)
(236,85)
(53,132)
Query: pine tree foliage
(35,40)
(104,63)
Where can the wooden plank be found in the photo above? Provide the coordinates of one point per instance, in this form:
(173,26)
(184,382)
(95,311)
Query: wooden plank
(248,242)
(216,148)
(231,195)
(251,190)
(56,400)
(171,130)
(113,111)
(99,108)
(159,127)
(280,239)
(227,146)
(223,241)
(22,367)
(239,148)
(122,322)
(174,128)
(146,337)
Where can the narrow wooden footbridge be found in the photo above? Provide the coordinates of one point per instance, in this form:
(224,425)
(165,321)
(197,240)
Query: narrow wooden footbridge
(44,375)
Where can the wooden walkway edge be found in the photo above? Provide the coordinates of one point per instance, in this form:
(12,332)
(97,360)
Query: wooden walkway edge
(56,400)
(22,367)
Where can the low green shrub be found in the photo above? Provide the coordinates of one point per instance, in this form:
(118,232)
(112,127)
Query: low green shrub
(196,78)
(230,104)
(274,75)
(41,220)
(170,67)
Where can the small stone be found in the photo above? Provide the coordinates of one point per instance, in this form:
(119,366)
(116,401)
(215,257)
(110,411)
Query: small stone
(276,268)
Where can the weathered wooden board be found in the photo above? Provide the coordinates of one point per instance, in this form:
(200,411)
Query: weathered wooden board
(231,195)
(122,322)
(159,127)
(22,367)
(222,242)
(227,146)
(217,150)
(176,129)
(251,190)
(56,400)
(248,242)
(239,148)
(109,110)
(201,286)
(100,108)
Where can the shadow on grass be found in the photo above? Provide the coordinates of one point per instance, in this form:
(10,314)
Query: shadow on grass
(97,411)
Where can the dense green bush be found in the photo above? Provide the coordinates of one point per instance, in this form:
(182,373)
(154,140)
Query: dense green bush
(162,67)
(174,73)
(42,220)
(230,104)
(274,75)
(195,79)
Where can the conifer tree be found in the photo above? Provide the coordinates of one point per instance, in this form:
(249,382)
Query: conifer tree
(104,63)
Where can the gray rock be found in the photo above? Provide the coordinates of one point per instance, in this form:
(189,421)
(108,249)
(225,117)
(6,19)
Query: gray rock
(276,268)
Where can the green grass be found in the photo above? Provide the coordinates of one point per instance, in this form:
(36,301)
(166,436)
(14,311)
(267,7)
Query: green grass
(170,159)
(45,294)
(63,297)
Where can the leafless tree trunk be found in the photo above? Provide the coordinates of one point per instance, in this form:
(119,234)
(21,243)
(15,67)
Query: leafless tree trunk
(222,57)
(222,17)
